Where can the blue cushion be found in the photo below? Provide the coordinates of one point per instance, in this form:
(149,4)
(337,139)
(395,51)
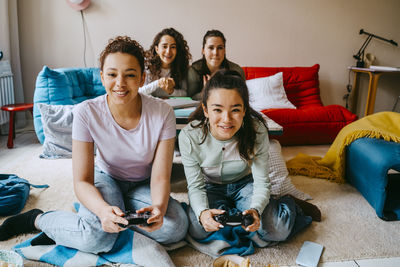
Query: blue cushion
(368,161)
(66,86)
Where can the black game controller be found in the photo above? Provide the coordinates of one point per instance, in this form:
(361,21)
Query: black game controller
(136,218)
(234,219)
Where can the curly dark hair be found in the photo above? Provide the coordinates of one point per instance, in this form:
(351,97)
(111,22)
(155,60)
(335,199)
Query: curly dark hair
(123,44)
(179,66)
(231,80)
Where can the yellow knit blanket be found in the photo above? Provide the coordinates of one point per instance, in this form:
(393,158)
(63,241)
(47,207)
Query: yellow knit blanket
(384,125)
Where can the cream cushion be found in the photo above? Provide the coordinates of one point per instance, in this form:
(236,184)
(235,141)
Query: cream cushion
(268,92)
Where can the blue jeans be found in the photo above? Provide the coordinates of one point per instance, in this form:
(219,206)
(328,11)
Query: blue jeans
(83,230)
(281,219)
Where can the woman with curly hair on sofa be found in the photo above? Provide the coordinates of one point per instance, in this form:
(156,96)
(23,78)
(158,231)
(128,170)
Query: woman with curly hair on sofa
(167,65)
(214,58)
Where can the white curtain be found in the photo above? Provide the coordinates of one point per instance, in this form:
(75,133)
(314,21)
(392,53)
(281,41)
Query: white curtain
(9,44)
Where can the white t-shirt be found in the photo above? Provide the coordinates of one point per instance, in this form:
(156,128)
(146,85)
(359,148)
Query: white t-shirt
(150,86)
(124,154)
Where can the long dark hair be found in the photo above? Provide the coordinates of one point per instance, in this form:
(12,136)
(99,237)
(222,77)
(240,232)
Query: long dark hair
(224,63)
(246,135)
(179,66)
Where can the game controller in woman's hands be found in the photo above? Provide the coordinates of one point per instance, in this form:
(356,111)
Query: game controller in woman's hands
(136,218)
(234,219)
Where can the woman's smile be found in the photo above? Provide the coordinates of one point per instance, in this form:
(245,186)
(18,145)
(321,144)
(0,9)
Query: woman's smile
(225,127)
(120,93)
(225,112)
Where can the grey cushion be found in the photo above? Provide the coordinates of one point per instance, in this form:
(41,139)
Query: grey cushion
(57,129)
(279,176)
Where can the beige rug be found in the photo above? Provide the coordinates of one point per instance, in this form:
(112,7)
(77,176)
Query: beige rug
(349,229)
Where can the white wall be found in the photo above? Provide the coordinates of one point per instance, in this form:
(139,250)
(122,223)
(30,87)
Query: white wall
(258,32)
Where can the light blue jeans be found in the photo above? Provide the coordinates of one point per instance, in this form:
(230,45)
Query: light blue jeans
(280,220)
(83,230)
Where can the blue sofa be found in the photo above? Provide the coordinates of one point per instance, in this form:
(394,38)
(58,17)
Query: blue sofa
(66,86)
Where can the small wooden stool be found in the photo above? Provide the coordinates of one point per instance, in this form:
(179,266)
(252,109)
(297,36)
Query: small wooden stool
(12,108)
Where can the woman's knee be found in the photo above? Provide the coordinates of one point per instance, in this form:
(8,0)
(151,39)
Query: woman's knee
(274,234)
(278,220)
(93,238)
(274,230)
(97,241)
(175,224)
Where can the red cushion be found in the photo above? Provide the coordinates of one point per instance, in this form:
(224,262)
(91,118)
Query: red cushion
(301,83)
(312,125)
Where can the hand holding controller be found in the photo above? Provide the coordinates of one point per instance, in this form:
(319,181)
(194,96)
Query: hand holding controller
(136,218)
(234,219)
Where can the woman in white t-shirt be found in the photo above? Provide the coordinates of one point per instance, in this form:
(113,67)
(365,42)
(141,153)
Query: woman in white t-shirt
(134,135)
(167,64)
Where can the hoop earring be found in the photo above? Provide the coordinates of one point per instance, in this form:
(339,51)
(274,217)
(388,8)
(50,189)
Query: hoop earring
(242,124)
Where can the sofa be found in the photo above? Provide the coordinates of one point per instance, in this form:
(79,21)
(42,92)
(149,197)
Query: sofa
(310,123)
(66,86)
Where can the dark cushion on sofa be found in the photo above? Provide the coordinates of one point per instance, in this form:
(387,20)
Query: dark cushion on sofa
(311,122)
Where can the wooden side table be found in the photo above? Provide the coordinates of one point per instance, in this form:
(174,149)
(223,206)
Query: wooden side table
(12,108)
(374,76)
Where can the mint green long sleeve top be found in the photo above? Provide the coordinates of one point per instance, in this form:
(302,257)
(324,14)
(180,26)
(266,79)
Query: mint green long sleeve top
(219,162)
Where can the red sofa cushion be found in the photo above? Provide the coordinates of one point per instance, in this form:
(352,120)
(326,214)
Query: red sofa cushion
(313,125)
(311,122)
(301,83)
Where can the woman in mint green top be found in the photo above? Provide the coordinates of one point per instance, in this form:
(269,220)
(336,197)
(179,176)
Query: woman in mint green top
(219,162)
(224,151)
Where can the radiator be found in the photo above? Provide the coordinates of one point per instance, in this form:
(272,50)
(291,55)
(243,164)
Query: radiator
(6,89)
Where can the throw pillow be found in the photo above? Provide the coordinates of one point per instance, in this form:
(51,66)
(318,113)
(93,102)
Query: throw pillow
(268,92)
(279,176)
(57,129)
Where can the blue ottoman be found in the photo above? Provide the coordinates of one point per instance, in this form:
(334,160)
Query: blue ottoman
(368,161)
